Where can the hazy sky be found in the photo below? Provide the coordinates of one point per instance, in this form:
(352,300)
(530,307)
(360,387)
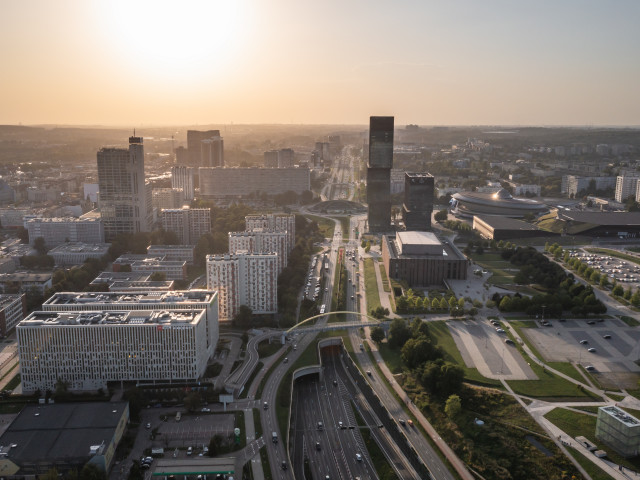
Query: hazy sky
(131,62)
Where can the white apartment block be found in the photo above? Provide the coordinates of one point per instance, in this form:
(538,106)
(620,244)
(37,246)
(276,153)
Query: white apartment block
(523,189)
(244,279)
(189,224)
(278,222)
(167,198)
(57,231)
(12,310)
(626,186)
(172,252)
(76,253)
(574,184)
(182,177)
(241,182)
(260,240)
(89,349)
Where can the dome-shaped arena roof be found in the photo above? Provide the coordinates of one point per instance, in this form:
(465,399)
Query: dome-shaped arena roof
(502,194)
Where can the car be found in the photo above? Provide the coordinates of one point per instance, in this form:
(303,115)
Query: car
(402,422)
(318,447)
(335,383)
(205,409)
(606,337)
(592,350)
(265,406)
(590,368)
(145,466)
(591,322)
(410,422)
(584,342)
(286,359)
(508,341)
(283,465)
(369,372)
(341,425)
(499,330)
(147,426)
(358,457)
(189,450)
(362,347)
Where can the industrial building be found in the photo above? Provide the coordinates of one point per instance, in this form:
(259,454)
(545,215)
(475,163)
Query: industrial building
(63,436)
(421,259)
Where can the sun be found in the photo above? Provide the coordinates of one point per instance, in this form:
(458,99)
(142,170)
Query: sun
(186,37)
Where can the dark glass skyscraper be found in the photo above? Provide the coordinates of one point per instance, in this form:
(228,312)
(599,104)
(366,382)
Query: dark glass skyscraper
(418,201)
(379,173)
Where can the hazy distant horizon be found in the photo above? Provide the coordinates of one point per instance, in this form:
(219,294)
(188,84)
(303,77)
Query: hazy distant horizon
(458,63)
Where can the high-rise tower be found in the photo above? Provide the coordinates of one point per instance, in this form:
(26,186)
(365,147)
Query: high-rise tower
(125,198)
(205,149)
(379,173)
(418,201)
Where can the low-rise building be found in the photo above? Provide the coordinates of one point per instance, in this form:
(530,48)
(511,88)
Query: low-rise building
(619,430)
(64,436)
(56,231)
(505,228)
(23,282)
(76,253)
(421,259)
(172,269)
(183,253)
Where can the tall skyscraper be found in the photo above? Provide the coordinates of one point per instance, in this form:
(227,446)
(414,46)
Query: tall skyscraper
(418,201)
(182,177)
(125,199)
(379,173)
(206,149)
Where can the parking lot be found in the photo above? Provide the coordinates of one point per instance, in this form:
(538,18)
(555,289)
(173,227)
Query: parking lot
(614,356)
(484,348)
(617,269)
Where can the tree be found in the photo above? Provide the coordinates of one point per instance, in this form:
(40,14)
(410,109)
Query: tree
(92,472)
(192,401)
(453,406)
(52,474)
(441,215)
(461,302)
(243,318)
(23,234)
(399,333)
(62,388)
(416,351)
(40,246)
(377,335)
(215,445)
(158,277)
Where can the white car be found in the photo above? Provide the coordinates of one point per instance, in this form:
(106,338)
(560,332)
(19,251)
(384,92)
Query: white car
(358,457)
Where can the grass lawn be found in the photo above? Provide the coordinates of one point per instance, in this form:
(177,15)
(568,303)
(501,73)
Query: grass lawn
(391,357)
(326,225)
(632,322)
(380,463)
(443,338)
(385,279)
(568,369)
(266,349)
(575,424)
(371,285)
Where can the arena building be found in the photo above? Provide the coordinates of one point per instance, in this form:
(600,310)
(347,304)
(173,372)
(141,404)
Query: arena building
(468,204)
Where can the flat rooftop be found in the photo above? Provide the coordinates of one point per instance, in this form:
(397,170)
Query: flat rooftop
(418,238)
(602,218)
(505,223)
(101,318)
(151,298)
(109,277)
(81,248)
(621,416)
(62,431)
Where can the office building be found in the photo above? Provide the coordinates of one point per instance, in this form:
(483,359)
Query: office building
(89,349)
(418,201)
(12,217)
(24,282)
(196,300)
(172,252)
(259,240)
(205,148)
(64,437)
(282,158)
(619,430)
(13,308)
(68,254)
(397,180)
(167,198)
(244,279)
(626,186)
(183,177)
(189,224)
(124,197)
(56,231)
(171,269)
(224,183)
(277,222)
(421,259)
(379,173)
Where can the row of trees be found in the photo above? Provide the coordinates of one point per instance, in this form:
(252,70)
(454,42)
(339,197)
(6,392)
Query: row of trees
(413,302)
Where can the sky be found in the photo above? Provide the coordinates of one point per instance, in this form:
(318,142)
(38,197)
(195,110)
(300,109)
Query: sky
(427,62)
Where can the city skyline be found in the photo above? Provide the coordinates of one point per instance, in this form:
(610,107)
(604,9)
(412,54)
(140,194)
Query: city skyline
(428,63)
